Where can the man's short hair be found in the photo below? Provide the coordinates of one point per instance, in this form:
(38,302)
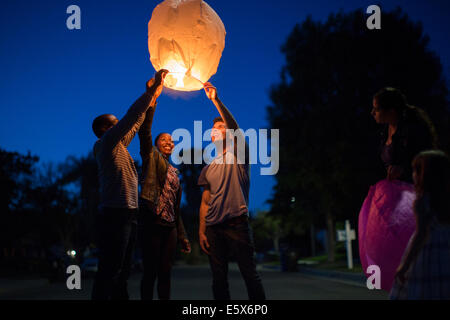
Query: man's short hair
(101,124)
(217,119)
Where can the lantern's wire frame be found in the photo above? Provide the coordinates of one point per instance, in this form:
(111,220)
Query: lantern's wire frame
(203,83)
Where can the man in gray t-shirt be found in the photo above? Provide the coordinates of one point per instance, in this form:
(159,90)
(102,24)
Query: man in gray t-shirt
(224,229)
(229,184)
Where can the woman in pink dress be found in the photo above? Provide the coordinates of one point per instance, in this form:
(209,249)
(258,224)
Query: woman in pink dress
(386,219)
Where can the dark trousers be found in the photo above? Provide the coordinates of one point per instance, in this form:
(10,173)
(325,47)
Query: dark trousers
(233,239)
(158,251)
(116,233)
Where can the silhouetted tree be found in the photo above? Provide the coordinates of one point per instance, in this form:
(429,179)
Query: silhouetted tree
(83,173)
(56,206)
(328,140)
(267,231)
(16,177)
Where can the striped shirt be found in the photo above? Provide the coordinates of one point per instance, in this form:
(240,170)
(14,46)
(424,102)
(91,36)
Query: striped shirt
(118,178)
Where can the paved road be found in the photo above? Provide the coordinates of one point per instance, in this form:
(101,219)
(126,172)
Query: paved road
(194,283)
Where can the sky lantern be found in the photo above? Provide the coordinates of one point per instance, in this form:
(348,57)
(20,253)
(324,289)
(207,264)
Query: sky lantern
(187,38)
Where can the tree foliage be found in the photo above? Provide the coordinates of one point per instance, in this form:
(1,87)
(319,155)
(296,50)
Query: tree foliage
(322,104)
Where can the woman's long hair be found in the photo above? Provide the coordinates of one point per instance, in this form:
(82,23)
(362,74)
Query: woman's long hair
(432,184)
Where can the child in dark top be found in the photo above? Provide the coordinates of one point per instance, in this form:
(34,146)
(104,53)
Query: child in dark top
(424,272)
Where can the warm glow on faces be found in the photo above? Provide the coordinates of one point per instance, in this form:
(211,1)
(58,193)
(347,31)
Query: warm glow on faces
(383,116)
(165,144)
(376,112)
(218,131)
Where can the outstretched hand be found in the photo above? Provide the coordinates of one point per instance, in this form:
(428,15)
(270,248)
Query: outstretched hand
(185,246)
(157,83)
(210,90)
(203,242)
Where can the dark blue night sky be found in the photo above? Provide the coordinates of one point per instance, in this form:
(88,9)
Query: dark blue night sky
(55,81)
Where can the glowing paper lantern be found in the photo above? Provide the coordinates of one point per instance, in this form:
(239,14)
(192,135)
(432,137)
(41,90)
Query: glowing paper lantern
(386,223)
(187,38)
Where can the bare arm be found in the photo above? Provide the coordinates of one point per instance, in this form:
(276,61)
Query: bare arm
(211,93)
(204,206)
(230,121)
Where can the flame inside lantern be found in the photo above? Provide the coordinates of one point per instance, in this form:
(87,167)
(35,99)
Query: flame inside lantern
(176,75)
(180,78)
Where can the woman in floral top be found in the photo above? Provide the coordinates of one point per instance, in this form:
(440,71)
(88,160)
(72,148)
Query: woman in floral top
(160,223)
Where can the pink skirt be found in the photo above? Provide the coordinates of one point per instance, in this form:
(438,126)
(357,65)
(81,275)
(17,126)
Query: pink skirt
(386,223)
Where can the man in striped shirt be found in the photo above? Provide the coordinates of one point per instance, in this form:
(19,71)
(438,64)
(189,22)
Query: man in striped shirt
(116,222)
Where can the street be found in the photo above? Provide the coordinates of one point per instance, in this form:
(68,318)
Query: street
(194,283)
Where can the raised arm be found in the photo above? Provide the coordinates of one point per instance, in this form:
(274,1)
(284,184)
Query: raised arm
(211,93)
(127,127)
(145,133)
(230,121)
(204,206)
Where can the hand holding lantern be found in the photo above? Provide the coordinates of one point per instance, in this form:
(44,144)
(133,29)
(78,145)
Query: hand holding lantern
(210,90)
(157,82)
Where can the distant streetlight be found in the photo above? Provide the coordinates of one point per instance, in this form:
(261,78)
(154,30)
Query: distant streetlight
(71,253)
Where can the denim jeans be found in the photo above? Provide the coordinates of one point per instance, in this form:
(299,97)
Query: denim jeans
(226,240)
(116,231)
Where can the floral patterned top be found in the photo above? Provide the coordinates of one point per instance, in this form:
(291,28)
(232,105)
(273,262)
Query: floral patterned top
(168,197)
